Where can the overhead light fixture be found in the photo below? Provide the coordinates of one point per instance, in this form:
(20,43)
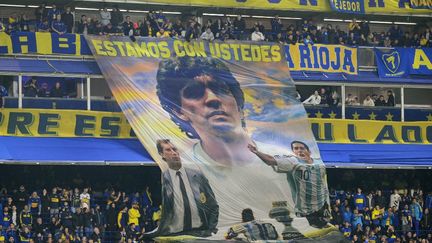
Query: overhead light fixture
(138,11)
(88,9)
(13,5)
(213,14)
(177,13)
(405,23)
(380,22)
(334,20)
(32,6)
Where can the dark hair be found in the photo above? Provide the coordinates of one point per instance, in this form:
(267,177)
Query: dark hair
(247,215)
(293,142)
(159,144)
(174,74)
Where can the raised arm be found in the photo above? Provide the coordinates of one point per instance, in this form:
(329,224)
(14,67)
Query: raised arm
(266,158)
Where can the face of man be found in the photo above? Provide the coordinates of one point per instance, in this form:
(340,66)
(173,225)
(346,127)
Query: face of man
(171,155)
(301,151)
(209,106)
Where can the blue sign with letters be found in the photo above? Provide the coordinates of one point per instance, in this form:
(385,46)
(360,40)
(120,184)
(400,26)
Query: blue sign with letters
(348,6)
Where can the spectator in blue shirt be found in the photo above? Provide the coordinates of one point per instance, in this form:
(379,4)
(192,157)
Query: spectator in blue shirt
(43,26)
(53,13)
(347,215)
(58,26)
(359,200)
(346,230)
(416,214)
(308,40)
(357,219)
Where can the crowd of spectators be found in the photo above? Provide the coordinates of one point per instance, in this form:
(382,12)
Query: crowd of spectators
(372,100)
(82,215)
(157,24)
(75,215)
(331,98)
(383,216)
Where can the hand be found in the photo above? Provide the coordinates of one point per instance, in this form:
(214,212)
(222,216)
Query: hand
(252,148)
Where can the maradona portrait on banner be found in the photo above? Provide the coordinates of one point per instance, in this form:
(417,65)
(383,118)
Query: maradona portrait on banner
(206,102)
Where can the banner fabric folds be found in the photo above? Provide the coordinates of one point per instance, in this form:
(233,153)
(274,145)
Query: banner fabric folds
(236,151)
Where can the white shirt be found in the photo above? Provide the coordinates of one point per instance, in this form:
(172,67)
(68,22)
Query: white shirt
(177,224)
(207,36)
(395,200)
(369,102)
(257,36)
(105,17)
(254,186)
(313,100)
(85,200)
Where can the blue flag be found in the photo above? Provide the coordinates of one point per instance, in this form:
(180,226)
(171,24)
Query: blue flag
(392,63)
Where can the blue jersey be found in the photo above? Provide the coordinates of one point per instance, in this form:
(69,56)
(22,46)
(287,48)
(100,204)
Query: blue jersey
(59,26)
(359,201)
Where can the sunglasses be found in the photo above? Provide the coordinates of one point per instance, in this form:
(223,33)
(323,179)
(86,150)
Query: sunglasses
(195,90)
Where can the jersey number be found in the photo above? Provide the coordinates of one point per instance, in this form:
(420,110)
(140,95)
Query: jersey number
(305,175)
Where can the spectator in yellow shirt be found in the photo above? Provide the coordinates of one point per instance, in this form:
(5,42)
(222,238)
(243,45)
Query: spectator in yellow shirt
(134,214)
(162,33)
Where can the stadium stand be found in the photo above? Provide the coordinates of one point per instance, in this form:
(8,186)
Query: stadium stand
(74,211)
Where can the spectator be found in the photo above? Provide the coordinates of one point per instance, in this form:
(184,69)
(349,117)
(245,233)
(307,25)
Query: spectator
(324,97)
(178,28)
(105,16)
(35,204)
(390,98)
(239,27)
(57,91)
(24,23)
(359,200)
(276,26)
(3,94)
(160,18)
(134,214)
(128,27)
(116,17)
(68,19)
(54,203)
(122,218)
(53,13)
(83,25)
(162,33)
(58,26)
(308,40)
(334,99)
(387,42)
(314,99)
(381,101)
(25,217)
(368,101)
(395,32)
(43,91)
(31,88)
(41,12)
(395,199)
(109,30)
(291,40)
(207,35)
(416,214)
(257,35)
(85,198)
(354,27)
(43,26)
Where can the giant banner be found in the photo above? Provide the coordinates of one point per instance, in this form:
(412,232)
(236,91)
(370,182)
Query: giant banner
(237,155)
(322,58)
(97,124)
(400,62)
